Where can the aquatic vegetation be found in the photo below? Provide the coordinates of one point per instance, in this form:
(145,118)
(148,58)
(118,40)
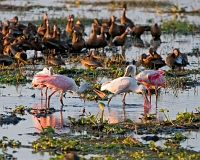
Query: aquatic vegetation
(176,9)
(6,142)
(178,27)
(19,109)
(165,112)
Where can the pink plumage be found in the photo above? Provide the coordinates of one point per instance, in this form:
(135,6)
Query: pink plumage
(60,83)
(149,78)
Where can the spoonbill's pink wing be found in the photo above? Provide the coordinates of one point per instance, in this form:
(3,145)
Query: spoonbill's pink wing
(58,82)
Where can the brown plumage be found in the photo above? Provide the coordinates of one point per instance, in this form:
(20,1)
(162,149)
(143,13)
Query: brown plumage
(176,59)
(102,42)
(92,42)
(79,28)
(151,61)
(78,43)
(90,62)
(70,25)
(120,40)
(106,26)
(20,27)
(115,29)
(124,19)
(156,31)
(42,28)
(137,31)
(52,43)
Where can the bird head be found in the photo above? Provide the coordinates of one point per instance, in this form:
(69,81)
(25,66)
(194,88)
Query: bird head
(176,52)
(130,69)
(86,85)
(142,89)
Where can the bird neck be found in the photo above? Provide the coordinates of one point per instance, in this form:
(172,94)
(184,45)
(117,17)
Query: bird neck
(132,73)
(81,89)
(124,14)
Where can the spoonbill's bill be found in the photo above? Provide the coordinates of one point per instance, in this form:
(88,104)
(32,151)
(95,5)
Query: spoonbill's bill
(148,78)
(124,85)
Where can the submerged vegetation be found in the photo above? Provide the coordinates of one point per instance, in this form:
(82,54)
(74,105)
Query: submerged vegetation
(114,141)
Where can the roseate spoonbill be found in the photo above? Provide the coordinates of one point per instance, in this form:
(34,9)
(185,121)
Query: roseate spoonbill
(176,59)
(63,83)
(44,73)
(124,85)
(148,78)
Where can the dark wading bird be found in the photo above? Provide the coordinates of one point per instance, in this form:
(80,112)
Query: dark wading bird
(149,78)
(176,59)
(124,19)
(151,61)
(62,83)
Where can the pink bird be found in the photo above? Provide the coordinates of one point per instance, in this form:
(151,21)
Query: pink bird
(45,72)
(62,83)
(148,78)
(124,85)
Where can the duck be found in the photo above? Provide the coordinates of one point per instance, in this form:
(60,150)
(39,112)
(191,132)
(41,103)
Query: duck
(6,60)
(155,32)
(21,57)
(80,28)
(106,26)
(90,62)
(77,43)
(54,60)
(124,19)
(17,25)
(138,30)
(9,37)
(52,43)
(151,61)
(120,40)
(70,25)
(176,59)
(102,41)
(41,30)
(92,42)
(115,29)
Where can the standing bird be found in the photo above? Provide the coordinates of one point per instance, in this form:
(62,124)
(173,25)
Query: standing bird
(124,19)
(62,83)
(124,85)
(148,78)
(120,41)
(45,73)
(176,59)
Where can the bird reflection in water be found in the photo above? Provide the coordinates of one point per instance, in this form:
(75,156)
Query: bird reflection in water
(42,120)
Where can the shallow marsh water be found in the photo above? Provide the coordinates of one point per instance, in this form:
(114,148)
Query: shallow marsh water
(187,99)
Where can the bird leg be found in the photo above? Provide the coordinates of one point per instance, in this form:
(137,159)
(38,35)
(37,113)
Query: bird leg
(156,92)
(109,99)
(50,97)
(61,96)
(46,93)
(123,98)
(41,92)
(149,93)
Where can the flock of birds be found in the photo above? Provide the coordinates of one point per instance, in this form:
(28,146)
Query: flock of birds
(52,42)
(146,79)
(16,39)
